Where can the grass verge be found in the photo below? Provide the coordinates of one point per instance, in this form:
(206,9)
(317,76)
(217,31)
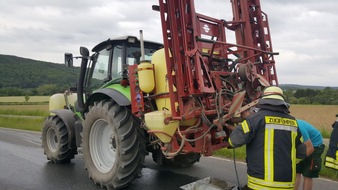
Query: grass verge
(28,110)
(24,123)
(24,112)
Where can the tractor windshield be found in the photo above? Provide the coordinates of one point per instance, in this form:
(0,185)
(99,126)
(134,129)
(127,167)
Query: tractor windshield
(100,71)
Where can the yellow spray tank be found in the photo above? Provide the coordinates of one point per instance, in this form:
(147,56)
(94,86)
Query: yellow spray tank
(146,76)
(155,120)
(57,101)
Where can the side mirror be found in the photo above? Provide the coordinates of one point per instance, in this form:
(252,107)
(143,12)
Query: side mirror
(84,51)
(69,59)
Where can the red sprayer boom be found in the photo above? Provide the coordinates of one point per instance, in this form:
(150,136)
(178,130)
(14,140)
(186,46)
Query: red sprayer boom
(208,80)
(202,65)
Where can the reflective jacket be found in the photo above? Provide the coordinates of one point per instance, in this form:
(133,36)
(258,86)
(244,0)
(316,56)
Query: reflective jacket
(271,139)
(331,159)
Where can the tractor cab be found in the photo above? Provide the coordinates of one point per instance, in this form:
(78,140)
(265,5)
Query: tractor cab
(111,58)
(107,67)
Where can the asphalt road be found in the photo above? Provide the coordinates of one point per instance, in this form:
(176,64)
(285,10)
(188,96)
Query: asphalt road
(24,166)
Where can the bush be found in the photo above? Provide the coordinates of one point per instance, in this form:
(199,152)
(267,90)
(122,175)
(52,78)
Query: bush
(26,97)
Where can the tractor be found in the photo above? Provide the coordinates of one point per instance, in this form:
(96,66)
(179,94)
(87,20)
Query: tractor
(173,100)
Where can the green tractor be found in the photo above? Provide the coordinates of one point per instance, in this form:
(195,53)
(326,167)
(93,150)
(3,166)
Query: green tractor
(97,120)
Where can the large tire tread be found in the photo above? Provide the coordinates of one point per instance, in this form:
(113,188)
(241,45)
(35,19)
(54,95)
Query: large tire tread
(62,153)
(127,164)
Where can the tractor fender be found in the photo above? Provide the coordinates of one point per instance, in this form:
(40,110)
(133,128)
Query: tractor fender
(69,118)
(108,93)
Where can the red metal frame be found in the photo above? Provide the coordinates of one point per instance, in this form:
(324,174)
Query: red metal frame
(197,58)
(209,78)
(254,32)
(187,34)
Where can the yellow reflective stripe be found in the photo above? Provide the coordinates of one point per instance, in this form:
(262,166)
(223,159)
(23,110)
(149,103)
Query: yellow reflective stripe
(280,121)
(245,126)
(230,143)
(281,127)
(256,186)
(331,159)
(293,155)
(255,183)
(259,187)
(331,163)
(268,154)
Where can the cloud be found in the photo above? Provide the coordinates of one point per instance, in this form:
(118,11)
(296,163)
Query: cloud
(303,31)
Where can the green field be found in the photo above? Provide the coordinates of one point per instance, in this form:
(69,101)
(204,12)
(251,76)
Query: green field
(22,99)
(320,116)
(27,117)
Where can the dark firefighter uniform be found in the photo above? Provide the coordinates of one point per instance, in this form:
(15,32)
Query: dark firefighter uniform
(271,136)
(331,159)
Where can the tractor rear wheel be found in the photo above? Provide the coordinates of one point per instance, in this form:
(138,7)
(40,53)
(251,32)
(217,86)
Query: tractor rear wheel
(111,145)
(55,141)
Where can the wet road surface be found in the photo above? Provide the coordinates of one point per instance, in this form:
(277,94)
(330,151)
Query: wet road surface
(24,166)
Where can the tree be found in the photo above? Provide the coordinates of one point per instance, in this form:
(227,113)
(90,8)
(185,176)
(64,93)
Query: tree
(288,95)
(47,89)
(308,95)
(327,96)
(27,97)
(12,91)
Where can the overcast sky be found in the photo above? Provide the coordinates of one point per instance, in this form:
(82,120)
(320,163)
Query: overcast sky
(304,32)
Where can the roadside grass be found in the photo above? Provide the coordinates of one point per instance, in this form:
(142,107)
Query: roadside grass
(24,123)
(239,153)
(16,113)
(30,110)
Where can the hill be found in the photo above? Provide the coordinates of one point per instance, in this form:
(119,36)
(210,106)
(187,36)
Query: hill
(26,73)
(297,86)
(23,73)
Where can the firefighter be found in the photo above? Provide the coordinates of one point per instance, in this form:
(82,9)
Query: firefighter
(272,140)
(331,158)
(312,164)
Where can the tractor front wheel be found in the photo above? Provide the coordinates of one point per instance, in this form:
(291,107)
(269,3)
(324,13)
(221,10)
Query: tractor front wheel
(111,145)
(55,141)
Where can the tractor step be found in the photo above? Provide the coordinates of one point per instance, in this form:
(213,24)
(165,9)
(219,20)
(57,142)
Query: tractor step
(209,183)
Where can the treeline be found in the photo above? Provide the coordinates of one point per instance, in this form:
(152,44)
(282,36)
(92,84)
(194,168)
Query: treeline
(28,77)
(21,76)
(327,96)
(43,90)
